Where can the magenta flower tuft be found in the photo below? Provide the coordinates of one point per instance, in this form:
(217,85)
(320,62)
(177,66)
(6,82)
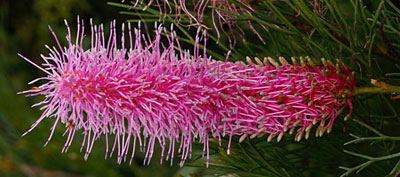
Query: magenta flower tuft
(145,92)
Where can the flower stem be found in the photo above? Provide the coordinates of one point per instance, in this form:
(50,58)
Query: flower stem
(380,87)
(366,90)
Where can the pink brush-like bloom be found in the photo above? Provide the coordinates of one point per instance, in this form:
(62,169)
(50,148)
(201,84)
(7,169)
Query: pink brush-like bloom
(145,92)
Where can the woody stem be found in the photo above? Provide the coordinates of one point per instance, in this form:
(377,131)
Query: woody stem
(380,87)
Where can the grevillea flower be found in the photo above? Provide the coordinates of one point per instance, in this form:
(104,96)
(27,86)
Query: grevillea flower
(145,92)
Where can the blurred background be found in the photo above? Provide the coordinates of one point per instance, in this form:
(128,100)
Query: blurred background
(24,29)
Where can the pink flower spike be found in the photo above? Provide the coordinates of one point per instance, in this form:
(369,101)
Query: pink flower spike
(147,92)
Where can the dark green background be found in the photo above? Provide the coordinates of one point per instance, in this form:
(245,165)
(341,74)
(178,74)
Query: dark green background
(23,29)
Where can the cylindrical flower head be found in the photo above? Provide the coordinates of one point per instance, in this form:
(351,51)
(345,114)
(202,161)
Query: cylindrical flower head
(145,92)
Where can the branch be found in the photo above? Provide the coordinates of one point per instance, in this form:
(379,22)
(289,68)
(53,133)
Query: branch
(380,87)
(370,161)
(378,138)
